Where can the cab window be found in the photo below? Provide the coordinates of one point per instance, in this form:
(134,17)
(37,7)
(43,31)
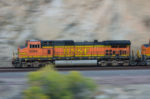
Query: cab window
(34,46)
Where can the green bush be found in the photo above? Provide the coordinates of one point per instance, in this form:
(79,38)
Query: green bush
(50,84)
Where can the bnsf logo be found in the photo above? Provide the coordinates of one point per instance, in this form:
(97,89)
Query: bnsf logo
(32,51)
(76,50)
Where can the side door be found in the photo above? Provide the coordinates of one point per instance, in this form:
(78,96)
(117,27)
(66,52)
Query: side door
(50,52)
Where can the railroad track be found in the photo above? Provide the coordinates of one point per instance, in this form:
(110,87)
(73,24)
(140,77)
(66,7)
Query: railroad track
(12,69)
(81,68)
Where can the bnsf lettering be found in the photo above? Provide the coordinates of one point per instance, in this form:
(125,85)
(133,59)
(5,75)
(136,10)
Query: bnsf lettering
(32,51)
(76,50)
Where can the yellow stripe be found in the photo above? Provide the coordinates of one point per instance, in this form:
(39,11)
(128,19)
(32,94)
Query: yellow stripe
(102,45)
(59,47)
(147,54)
(64,46)
(69,56)
(22,53)
(83,46)
(36,57)
(47,47)
(79,46)
(76,55)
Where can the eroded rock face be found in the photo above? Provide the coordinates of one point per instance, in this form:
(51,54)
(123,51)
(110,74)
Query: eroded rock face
(95,19)
(72,19)
(16,25)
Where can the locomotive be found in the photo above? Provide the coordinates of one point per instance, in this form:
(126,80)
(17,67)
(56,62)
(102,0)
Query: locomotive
(37,53)
(145,54)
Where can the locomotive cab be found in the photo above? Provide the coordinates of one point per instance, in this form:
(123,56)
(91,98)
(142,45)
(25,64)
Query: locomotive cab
(30,50)
(26,55)
(16,61)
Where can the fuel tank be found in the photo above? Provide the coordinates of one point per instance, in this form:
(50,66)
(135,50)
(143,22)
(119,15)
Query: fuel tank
(75,62)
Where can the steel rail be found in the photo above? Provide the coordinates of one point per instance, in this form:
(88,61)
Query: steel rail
(79,68)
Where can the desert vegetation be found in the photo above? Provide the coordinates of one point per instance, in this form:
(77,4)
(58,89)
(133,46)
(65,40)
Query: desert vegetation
(48,83)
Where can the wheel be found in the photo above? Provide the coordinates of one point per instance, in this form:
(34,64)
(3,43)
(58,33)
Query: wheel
(103,63)
(18,65)
(36,64)
(114,63)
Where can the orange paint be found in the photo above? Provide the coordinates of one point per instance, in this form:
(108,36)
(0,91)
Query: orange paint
(145,50)
(68,51)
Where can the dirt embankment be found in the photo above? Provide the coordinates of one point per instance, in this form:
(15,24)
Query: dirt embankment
(72,19)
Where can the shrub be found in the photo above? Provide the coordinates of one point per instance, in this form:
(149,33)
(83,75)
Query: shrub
(50,84)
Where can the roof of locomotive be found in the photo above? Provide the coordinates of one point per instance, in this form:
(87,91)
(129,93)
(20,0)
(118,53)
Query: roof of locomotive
(95,42)
(117,42)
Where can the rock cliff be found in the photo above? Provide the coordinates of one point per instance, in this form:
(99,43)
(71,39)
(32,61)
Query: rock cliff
(72,19)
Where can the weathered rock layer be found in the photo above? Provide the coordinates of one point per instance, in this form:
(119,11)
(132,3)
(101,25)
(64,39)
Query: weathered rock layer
(72,19)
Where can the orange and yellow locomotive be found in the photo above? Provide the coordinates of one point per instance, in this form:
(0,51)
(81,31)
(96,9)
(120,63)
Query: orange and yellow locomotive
(37,53)
(145,54)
